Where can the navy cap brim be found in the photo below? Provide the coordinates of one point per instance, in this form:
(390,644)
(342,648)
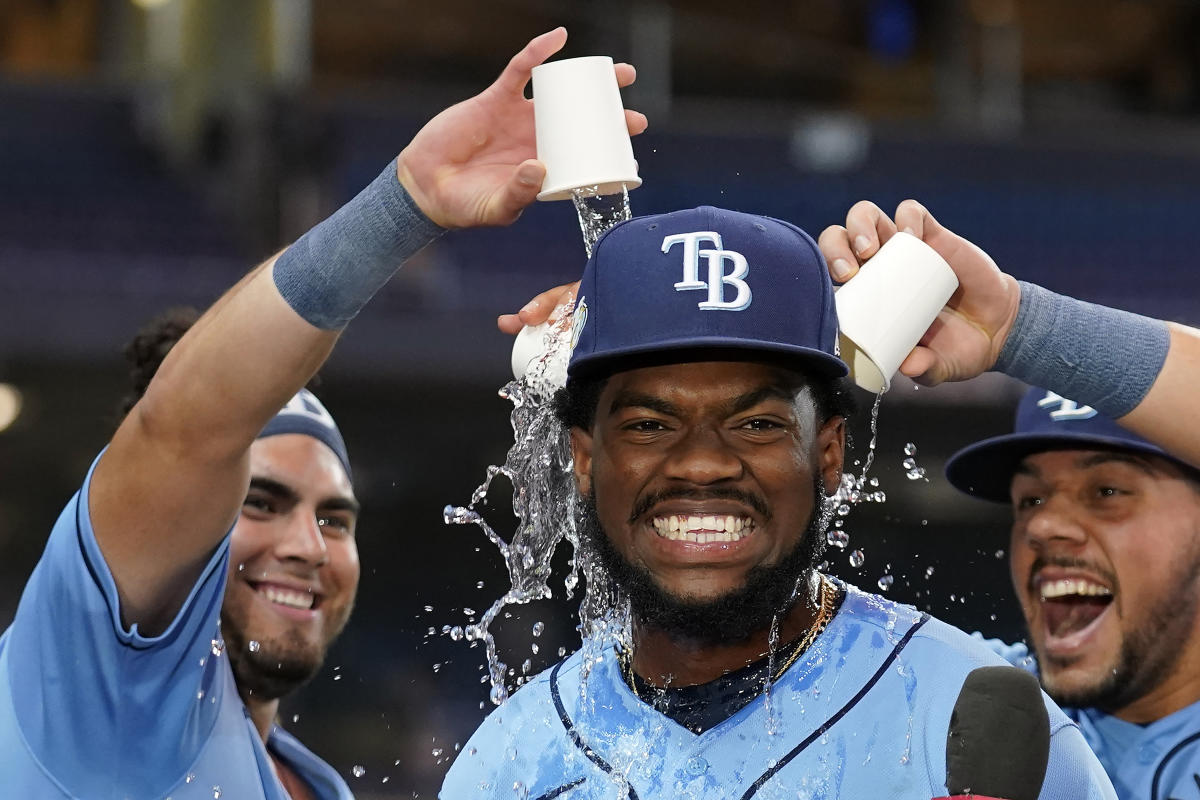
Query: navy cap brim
(985,469)
(676,351)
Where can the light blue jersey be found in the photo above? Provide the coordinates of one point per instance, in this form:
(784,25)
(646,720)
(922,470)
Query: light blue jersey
(1159,761)
(93,710)
(863,714)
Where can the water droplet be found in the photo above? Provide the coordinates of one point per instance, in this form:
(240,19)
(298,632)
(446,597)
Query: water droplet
(838,538)
(885,582)
(857,558)
(252,646)
(526,665)
(437,751)
(562,651)
(479,585)
(538,627)
(358,770)
(295,718)
(915,474)
(216,790)
(928,572)
(843,510)
(218,646)
(910,449)
(456,633)
(431,632)
(470,612)
(191,776)
(999,554)
(908,463)
(429,608)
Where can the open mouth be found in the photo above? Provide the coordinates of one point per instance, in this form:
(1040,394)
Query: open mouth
(703,528)
(287,597)
(1071,606)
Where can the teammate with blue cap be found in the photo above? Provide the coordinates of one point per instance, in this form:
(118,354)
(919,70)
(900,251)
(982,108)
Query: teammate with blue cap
(1105,560)
(706,411)
(115,679)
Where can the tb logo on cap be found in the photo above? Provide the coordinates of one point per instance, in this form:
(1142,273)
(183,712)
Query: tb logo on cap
(305,404)
(717,278)
(1067,409)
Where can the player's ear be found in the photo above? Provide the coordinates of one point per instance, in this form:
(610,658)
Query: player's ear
(581,455)
(831,452)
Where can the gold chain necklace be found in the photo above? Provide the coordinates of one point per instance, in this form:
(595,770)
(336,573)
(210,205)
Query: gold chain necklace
(824,616)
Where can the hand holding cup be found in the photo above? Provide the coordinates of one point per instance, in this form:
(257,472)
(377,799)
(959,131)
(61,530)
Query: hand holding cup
(969,331)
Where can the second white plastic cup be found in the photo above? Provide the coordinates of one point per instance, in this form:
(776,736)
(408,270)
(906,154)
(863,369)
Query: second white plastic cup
(532,352)
(579,121)
(885,309)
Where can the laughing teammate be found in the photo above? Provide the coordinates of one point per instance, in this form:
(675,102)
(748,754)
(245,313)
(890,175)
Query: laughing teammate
(1106,516)
(707,427)
(1105,560)
(114,678)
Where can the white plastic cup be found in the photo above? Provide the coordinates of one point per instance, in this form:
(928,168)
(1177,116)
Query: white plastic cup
(531,346)
(579,121)
(885,309)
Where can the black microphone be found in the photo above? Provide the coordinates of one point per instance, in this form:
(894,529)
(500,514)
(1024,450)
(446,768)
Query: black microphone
(998,745)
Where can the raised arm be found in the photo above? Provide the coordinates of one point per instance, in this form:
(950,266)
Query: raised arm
(170,484)
(1135,369)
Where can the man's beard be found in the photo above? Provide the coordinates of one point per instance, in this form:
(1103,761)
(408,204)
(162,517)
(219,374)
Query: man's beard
(275,666)
(1149,653)
(734,616)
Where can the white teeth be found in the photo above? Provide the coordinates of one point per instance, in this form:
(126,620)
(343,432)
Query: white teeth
(702,529)
(286,597)
(1068,587)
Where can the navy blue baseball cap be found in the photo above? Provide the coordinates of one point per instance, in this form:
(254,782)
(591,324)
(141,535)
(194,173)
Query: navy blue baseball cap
(1045,421)
(709,281)
(305,414)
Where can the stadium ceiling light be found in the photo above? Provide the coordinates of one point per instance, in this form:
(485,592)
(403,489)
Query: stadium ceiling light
(10,405)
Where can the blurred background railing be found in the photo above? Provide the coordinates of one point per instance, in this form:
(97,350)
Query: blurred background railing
(153,151)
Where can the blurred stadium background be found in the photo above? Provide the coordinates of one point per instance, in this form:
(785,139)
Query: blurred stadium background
(152,151)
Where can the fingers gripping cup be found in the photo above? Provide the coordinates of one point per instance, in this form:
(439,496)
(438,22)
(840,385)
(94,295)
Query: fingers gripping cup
(579,121)
(885,309)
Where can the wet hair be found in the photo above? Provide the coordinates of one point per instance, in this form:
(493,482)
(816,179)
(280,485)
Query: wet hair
(575,404)
(144,353)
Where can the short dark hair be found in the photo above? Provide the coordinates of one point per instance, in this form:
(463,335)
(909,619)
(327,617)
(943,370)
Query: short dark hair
(146,350)
(149,346)
(575,404)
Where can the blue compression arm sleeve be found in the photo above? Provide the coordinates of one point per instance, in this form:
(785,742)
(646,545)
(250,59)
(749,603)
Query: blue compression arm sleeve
(1095,355)
(331,272)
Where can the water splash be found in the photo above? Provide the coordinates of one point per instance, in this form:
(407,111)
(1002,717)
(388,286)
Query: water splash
(539,468)
(599,212)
